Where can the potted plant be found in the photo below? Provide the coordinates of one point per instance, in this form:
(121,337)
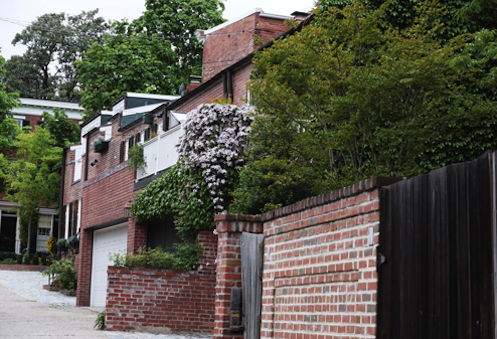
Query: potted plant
(100,145)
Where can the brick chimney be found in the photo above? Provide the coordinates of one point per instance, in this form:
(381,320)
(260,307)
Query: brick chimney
(231,41)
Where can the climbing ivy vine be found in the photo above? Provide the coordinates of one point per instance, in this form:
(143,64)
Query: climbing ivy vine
(211,152)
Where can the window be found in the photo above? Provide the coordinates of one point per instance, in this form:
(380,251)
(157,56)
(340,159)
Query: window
(72,218)
(130,143)
(162,233)
(154,129)
(137,138)
(146,134)
(121,152)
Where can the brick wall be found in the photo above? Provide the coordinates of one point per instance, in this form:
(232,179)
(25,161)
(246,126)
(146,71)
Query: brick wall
(225,46)
(229,229)
(164,300)
(319,279)
(167,300)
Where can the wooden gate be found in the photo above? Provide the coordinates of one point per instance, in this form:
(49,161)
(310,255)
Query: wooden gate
(436,240)
(252,257)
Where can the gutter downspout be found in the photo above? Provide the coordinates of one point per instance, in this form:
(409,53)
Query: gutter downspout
(57,229)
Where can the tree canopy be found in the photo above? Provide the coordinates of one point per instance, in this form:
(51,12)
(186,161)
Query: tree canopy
(155,53)
(352,96)
(53,41)
(31,170)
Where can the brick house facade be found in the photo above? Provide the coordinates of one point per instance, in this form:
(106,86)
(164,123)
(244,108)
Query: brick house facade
(99,187)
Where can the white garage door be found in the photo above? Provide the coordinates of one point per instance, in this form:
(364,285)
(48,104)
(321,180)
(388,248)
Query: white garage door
(105,241)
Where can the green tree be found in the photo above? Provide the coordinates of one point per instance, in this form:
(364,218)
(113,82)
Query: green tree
(31,170)
(349,98)
(32,179)
(53,41)
(153,54)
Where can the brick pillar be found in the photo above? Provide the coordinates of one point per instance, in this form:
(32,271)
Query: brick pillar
(208,240)
(83,268)
(137,234)
(229,273)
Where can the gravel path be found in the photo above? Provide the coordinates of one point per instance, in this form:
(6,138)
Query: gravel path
(30,286)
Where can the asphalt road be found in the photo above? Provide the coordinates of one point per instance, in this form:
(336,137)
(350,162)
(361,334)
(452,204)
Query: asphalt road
(24,318)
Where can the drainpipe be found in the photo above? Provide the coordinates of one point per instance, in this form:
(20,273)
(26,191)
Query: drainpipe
(56,230)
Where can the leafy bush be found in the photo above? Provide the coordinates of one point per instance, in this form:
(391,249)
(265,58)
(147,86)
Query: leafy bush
(100,322)
(137,160)
(19,259)
(185,259)
(62,245)
(8,261)
(64,272)
(7,255)
(35,260)
(43,260)
(52,245)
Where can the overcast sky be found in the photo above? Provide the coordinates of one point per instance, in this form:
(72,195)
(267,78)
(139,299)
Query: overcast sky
(27,11)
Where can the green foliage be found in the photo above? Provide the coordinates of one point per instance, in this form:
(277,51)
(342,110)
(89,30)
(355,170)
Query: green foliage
(62,245)
(33,178)
(155,53)
(64,272)
(348,98)
(172,194)
(53,40)
(19,259)
(186,257)
(35,260)
(24,221)
(136,158)
(100,321)
(8,261)
(8,126)
(52,245)
(63,131)
(43,260)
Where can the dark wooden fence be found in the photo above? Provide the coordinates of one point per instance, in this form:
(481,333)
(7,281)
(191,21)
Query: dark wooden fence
(436,238)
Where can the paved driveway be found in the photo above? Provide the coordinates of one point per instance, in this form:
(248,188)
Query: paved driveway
(21,317)
(28,311)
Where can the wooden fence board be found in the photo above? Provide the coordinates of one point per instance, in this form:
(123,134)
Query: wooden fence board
(437,235)
(252,249)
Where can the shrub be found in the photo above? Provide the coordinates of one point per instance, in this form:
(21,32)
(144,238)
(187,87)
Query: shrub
(64,272)
(186,258)
(62,245)
(19,259)
(8,261)
(35,260)
(43,259)
(100,322)
(7,255)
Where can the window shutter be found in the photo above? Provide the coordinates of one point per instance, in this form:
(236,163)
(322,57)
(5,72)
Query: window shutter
(121,152)
(154,128)
(130,143)
(137,138)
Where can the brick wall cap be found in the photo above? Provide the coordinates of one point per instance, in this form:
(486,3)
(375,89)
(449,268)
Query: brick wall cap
(342,193)
(237,217)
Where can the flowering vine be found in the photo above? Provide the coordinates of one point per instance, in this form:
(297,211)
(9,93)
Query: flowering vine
(211,152)
(214,144)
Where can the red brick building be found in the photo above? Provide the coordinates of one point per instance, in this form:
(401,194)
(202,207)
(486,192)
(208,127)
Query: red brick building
(98,186)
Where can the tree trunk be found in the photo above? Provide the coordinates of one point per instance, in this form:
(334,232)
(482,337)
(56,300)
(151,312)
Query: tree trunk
(29,231)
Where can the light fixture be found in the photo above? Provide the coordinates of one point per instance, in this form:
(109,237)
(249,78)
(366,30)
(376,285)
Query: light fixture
(127,209)
(94,162)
